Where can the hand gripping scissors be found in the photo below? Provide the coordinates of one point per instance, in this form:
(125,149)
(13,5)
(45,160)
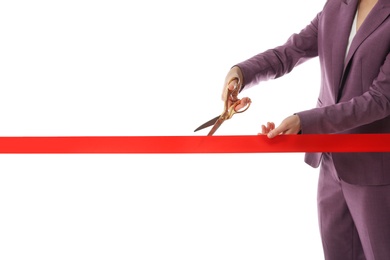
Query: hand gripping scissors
(228,111)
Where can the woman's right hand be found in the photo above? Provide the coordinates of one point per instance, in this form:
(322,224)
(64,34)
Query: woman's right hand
(234,80)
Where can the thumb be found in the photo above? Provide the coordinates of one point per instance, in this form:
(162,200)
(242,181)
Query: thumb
(277,131)
(230,85)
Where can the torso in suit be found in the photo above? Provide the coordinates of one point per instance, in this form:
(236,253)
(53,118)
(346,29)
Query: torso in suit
(355,87)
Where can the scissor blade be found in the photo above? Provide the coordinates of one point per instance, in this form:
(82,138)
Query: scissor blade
(216,126)
(207,124)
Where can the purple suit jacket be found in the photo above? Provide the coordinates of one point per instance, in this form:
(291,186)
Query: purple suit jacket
(354,95)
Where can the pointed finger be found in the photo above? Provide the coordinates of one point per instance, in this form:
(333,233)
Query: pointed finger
(277,131)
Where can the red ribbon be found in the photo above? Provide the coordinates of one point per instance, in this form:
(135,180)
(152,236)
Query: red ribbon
(196,144)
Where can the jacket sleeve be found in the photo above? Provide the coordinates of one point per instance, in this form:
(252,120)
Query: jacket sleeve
(372,106)
(281,60)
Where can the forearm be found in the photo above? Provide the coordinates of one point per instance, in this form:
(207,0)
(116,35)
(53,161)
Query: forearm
(281,60)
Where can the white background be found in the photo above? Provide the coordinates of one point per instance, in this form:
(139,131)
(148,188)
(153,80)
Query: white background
(109,68)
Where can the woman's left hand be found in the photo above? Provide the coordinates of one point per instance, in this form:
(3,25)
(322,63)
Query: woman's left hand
(290,125)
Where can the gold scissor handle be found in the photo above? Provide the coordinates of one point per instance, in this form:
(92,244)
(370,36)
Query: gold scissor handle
(242,110)
(229,111)
(232,109)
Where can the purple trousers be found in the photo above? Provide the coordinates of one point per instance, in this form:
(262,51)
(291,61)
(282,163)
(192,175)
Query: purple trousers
(354,220)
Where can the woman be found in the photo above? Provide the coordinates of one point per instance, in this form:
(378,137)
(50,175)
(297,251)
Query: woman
(352,40)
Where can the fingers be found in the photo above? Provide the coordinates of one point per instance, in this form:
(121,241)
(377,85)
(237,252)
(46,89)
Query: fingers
(290,125)
(243,103)
(266,129)
(277,131)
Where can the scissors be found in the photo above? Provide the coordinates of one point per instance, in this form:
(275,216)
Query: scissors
(228,111)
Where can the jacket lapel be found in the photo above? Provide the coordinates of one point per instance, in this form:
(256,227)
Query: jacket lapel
(343,22)
(377,15)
